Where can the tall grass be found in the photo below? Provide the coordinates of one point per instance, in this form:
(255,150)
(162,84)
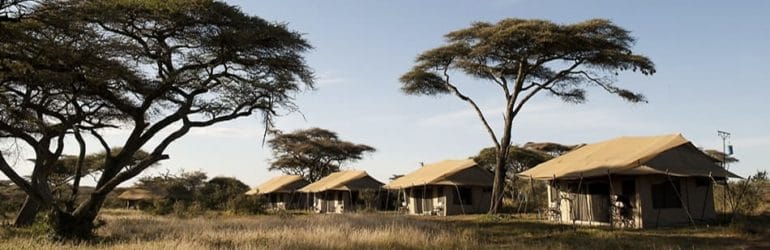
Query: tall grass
(127,229)
(357,231)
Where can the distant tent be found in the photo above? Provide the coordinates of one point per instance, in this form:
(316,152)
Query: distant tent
(655,181)
(446,188)
(340,192)
(136,196)
(281,192)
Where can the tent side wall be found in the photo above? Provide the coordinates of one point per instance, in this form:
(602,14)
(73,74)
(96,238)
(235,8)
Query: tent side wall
(331,201)
(457,202)
(430,199)
(447,200)
(696,195)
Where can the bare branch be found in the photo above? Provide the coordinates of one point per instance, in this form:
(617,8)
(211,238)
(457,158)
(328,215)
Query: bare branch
(475,107)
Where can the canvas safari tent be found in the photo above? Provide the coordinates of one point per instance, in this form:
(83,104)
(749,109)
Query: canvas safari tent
(281,192)
(445,188)
(636,182)
(136,197)
(342,191)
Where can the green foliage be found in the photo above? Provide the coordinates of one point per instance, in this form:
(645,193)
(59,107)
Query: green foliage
(526,51)
(519,159)
(246,204)
(219,190)
(161,207)
(189,194)
(313,153)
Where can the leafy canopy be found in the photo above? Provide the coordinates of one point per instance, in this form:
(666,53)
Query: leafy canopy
(313,153)
(530,51)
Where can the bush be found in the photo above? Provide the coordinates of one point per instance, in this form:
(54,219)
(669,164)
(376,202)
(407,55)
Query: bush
(246,204)
(161,207)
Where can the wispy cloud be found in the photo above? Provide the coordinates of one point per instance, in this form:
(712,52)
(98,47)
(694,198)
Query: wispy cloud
(326,79)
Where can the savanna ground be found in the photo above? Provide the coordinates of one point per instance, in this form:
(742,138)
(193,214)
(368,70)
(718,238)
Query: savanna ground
(129,229)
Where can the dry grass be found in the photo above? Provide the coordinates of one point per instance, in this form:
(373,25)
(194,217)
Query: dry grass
(134,230)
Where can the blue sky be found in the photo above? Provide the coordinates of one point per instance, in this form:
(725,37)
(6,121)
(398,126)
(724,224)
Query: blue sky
(712,75)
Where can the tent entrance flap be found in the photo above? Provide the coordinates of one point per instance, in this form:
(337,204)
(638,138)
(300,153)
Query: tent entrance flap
(591,202)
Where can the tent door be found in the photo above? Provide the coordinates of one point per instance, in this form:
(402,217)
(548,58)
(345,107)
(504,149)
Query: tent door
(417,195)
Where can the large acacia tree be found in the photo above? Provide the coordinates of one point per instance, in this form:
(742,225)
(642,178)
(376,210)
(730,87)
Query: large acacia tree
(524,58)
(313,153)
(155,69)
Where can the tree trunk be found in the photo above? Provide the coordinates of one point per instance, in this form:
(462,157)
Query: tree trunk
(79,225)
(499,183)
(27,213)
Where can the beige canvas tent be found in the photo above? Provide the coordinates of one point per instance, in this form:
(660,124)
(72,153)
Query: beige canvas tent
(281,192)
(341,191)
(634,182)
(445,188)
(135,197)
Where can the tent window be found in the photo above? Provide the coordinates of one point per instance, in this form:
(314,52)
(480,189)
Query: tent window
(665,196)
(466,196)
(273,198)
(598,188)
(702,182)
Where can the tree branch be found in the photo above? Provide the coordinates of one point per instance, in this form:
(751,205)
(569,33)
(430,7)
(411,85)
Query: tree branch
(473,104)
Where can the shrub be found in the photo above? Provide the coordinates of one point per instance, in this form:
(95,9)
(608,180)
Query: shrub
(246,204)
(161,207)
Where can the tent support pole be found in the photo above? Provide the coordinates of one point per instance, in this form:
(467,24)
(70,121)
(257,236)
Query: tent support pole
(460,198)
(612,192)
(676,191)
(705,199)
(424,195)
(531,191)
(576,200)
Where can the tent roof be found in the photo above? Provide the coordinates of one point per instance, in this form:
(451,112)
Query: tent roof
(434,173)
(138,194)
(672,154)
(277,184)
(340,181)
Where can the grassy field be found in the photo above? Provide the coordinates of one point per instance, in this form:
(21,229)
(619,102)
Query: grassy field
(126,229)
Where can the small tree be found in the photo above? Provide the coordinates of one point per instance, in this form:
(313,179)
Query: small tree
(525,58)
(313,153)
(220,190)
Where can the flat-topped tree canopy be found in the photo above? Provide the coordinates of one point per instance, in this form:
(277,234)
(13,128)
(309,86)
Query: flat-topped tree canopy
(631,155)
(279,184)
(447,172)
(343,180)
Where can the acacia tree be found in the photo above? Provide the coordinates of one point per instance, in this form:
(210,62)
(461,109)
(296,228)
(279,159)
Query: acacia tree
(525,58)
(42,98)
(164,67)
(313,153)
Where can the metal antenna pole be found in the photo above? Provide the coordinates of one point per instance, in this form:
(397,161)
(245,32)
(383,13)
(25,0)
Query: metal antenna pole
(724,135)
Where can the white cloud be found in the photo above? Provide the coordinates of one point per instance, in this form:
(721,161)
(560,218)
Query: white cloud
(326,79)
